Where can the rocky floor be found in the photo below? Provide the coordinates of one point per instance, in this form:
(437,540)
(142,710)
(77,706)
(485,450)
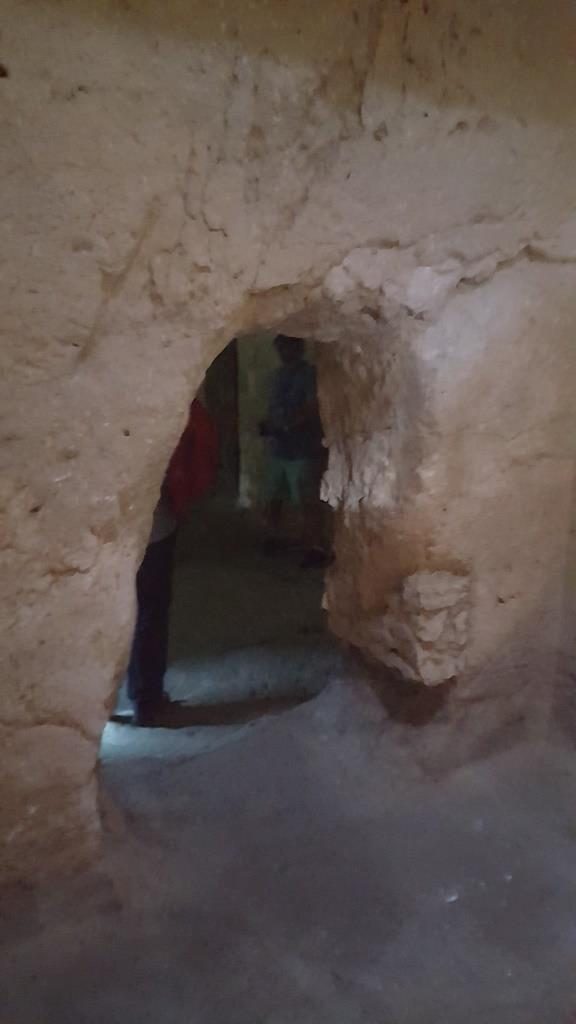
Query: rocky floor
(298,867)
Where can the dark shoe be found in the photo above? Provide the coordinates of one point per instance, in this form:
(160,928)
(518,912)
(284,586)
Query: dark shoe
(151,714)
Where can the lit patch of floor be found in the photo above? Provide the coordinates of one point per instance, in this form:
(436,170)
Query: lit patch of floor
(123,743)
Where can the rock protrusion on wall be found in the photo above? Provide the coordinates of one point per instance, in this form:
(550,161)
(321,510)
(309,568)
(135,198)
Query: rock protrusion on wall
(423,632)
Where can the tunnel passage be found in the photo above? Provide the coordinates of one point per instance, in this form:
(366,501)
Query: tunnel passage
(234,599)
(229,620)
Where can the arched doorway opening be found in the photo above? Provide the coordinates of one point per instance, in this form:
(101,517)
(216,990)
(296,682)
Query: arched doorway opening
(247,634)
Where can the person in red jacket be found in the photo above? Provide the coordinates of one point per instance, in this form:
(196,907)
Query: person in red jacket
(190,475)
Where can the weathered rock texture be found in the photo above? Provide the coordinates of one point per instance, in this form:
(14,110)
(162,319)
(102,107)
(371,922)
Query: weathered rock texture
(394,178)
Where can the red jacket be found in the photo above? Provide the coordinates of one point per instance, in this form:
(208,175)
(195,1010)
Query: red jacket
(193,467)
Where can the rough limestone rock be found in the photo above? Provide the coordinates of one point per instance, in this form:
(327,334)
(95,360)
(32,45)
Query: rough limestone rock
(392,177)
(424,632)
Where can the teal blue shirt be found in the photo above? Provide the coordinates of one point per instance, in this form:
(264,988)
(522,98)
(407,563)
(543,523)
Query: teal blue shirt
(293,388)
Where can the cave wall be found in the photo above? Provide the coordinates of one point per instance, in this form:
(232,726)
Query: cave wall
(395,179)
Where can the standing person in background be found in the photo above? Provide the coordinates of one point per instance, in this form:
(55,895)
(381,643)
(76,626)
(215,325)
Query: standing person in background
(190,475)
(297,456)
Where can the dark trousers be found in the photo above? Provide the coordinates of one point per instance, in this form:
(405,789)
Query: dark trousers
(149,655)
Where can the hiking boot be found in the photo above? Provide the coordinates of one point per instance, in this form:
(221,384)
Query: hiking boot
(150,714)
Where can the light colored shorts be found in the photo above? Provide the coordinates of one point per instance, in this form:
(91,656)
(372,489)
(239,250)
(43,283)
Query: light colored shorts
(294,480)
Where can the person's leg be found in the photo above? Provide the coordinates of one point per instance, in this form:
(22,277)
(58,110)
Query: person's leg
(149,654)
(305,478)
(296,471)
(273,514)
(275,489)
